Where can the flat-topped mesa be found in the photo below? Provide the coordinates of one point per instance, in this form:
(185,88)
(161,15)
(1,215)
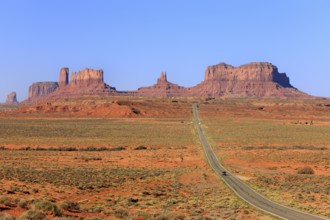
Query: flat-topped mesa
(11,98)
(42,88)
(87,77)
(253,72)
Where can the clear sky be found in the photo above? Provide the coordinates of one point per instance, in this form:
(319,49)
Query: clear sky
(133,41)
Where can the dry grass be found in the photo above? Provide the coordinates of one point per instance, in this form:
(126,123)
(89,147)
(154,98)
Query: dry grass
(153,182)
(58,164)
(96,132)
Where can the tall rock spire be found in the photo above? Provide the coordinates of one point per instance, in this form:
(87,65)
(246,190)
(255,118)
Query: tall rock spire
(64,77)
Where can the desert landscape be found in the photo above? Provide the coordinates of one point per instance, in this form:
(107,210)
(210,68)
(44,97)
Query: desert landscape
(144,166)
(140,158)
(164,110)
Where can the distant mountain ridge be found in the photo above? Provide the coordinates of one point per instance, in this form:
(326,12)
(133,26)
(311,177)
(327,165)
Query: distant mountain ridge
(256,79)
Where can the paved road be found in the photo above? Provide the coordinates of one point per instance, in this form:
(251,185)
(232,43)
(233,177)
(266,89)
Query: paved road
(244,191)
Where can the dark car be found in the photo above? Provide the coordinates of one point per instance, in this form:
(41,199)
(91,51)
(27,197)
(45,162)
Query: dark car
(224,173)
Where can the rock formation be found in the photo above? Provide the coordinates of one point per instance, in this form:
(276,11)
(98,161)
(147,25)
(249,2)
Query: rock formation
(64,77)
(162,88)
(258,79)
(11,98)
(87,77)
(162,78)
(85,82)
(258,72)
(42,89)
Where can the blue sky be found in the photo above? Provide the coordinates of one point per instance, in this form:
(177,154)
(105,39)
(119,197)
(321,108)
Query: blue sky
(133,41)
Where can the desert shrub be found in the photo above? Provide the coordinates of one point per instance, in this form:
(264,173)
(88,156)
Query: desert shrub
(117,149)
(48,207)
(272,168)
(121,213)
(140,148)
(179,148)
(136,111)
(23,203)
(5,216)
(169,216)
(40,149)
(64,218)
(94,209)
(70,206)
(3,199)
(248,148)
(89,149)
(246,212)
(305,170)
(7,201)
(141,214)
(86,159)
(66,148)
(25,148)
(33,214)
(94,149)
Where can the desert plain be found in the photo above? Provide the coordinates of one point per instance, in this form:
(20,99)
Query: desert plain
(133,158)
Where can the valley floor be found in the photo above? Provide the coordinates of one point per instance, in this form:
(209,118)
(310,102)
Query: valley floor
(149,164)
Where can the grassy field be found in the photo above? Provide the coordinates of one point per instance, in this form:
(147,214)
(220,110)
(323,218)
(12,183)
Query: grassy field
(267,142)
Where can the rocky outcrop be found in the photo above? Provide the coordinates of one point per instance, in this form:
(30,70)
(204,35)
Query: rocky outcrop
(162,88)
(253,72)
(42,89)
(64,77)
(87,77)
(162,78)
(11,98)
(85,82)
(258,79)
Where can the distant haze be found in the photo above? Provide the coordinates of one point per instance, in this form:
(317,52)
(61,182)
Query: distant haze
(134,41)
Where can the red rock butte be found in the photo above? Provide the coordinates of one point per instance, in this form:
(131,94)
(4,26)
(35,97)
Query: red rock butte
(257,79)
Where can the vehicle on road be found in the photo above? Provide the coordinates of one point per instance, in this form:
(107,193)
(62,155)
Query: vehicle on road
(244,191)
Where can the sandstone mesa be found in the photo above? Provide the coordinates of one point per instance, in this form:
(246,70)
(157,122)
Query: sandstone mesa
(257,79)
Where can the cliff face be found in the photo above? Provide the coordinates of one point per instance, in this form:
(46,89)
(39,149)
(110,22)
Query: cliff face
(253,72)
(250,80)
(87,77)
(42,88)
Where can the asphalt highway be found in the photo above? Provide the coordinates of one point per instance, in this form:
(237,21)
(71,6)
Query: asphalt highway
(244,191)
